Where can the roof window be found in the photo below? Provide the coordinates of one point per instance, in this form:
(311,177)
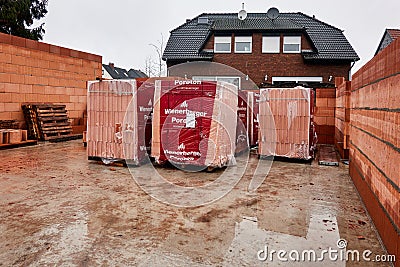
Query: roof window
(202,20)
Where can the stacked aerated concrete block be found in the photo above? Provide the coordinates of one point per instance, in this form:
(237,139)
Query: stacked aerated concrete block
(119,113)
(285,123)
(223,126)
(375,142)
(324,117)
(342,117)
(13,136)
(36,72)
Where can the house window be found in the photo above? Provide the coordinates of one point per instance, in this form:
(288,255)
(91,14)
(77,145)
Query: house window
(243,44)
(291,44)
(202,20)
(296,79)
(271,44)
(232,80)
(229,79)
(222,44)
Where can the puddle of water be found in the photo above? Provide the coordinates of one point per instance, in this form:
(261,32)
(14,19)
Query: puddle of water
(249,240)
(160,259)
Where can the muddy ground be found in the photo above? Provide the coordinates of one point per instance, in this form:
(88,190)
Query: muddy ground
(59,209)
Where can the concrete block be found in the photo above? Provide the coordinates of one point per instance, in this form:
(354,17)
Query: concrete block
(322,102)
(14,136)
(5,78)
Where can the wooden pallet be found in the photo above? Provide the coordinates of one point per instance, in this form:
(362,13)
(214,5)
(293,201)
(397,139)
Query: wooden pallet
(48,122)
(12,138)
(327,156)
(9,124)
(31,121)
(19,144)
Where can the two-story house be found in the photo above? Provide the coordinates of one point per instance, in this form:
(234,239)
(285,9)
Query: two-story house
(289,48)
(112,72)
(388,37)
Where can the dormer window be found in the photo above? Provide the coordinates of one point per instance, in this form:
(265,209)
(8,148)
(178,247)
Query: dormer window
(243,44)
(222,44)
(202,20)
(292,44)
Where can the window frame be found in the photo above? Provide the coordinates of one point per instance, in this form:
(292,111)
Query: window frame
(285,42)
(244,39)
(264,51)
(223,42)
(297,79)
(218,78)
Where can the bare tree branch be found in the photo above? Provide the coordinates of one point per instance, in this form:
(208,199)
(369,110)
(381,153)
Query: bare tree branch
(159,48)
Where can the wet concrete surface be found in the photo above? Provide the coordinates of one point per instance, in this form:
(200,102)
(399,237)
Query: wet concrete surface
(59,209)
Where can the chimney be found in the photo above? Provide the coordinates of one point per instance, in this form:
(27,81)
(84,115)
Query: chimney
(188,20)
(111,65)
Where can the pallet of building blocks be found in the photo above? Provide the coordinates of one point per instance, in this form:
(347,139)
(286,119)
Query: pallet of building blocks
(119,120)
(194,123)
(286,127)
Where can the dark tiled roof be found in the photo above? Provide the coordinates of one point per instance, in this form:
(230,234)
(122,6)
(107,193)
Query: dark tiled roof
(388,37)
(187,41)
(115,72)
(255,24)
(119,73)
(136,74)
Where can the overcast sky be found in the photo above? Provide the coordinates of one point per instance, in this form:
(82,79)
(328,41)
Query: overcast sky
(122,30)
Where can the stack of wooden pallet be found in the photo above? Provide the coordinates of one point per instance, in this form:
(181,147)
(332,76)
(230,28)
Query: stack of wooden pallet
(48,122)
(9,124)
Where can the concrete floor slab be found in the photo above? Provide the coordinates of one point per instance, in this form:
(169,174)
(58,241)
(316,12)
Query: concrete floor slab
(58,208)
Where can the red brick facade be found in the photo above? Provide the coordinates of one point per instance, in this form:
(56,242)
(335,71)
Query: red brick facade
(258,64)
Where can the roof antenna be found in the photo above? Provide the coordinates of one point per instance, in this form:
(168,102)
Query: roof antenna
(242,15)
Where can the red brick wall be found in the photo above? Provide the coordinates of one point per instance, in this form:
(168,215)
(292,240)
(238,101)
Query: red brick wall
(375,142)
(324,117)
(342,117)
(257,64)
(35,72)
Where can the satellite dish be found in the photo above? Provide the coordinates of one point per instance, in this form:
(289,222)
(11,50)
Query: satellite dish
(273,13)
(242,15)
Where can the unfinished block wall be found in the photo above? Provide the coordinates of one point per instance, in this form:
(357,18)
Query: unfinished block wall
(342,117)
(375,142)
(36,72)
(324,117)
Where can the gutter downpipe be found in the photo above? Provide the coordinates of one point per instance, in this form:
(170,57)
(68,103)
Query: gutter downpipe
(352,65)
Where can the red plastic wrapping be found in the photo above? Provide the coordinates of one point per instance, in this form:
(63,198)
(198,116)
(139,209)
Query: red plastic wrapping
(194,123)
(253,116)
(242,135)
